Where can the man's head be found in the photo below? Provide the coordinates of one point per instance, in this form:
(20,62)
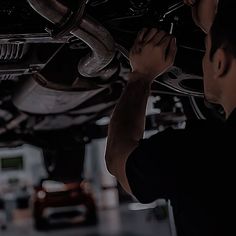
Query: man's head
(220,51)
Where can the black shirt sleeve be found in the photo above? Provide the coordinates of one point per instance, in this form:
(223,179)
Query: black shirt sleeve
(151,168)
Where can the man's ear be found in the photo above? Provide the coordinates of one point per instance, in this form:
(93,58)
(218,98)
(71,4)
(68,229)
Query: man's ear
(221,63)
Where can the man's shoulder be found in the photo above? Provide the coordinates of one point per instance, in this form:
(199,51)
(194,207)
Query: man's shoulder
(170,138)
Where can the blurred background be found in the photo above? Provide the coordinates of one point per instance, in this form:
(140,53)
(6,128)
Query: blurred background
(38,201)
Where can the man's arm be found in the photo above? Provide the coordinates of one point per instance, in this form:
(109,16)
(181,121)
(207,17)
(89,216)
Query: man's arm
(152,54)
(203,12)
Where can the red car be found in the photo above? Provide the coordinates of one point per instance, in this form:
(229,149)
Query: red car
(63,203)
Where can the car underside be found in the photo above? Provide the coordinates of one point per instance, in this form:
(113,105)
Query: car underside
(64,65)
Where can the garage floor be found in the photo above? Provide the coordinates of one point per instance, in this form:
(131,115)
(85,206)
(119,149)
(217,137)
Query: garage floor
(116,222)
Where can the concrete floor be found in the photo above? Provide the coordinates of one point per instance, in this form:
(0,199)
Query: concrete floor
(115,222)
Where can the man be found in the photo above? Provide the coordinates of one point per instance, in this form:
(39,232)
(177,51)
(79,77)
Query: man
(192,167)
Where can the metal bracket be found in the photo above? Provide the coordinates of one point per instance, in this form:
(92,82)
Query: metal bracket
(72,19)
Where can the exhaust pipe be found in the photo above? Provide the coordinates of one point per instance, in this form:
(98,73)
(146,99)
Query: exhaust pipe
(92,33)
(102,45)
(51,10)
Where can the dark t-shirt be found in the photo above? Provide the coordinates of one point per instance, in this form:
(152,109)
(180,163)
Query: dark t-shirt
(195,169)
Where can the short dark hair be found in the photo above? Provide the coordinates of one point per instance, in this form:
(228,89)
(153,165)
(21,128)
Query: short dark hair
(223,30)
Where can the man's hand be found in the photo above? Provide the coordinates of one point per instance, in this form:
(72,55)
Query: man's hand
(153,53)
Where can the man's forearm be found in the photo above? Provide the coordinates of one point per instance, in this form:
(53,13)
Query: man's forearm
(129,115)
(128,120)
(204,13)
(152,53)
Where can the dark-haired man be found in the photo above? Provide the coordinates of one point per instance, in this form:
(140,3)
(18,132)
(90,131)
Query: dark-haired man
(194,167)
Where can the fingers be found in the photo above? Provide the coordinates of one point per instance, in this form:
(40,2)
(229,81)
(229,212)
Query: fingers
(157,53)
(143,38)
(150,35)
(168,47)
(164,45)
(158,37)
(141,35)
(137,47)
(170,57)
(155,38)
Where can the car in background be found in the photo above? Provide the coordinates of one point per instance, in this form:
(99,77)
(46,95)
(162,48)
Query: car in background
(61,203)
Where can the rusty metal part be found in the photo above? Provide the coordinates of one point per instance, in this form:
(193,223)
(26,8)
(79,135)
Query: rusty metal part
(52,10)
(100,42)
(89,31)
(33,97)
